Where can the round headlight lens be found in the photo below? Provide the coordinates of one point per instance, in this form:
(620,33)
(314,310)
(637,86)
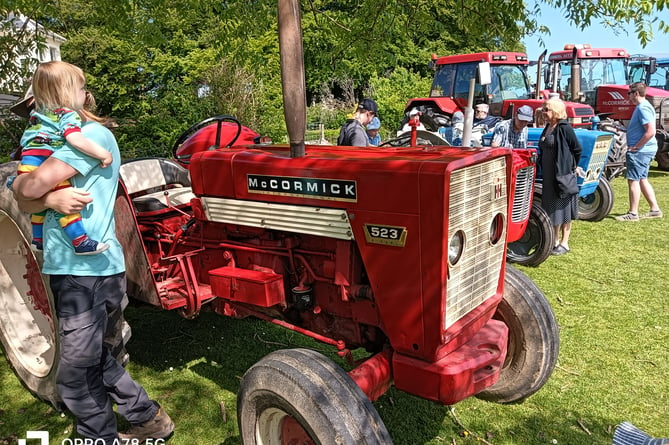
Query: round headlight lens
(456,247)
(496,229)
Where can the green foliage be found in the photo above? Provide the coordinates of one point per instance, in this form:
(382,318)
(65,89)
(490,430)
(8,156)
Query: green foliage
(392,93)
(147,62)
(11,131)
(645,15)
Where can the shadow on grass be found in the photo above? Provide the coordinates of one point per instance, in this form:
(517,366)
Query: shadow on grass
(221,349)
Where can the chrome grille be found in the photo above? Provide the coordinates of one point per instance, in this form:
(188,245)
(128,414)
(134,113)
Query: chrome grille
(333,223)
(477,194)
(522,197)
(598,158)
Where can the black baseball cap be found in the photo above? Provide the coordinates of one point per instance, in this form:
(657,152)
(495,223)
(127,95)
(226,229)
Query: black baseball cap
(369,105)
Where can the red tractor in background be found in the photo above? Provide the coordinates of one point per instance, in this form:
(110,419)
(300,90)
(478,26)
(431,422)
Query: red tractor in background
(399,252)
(509,89)
(599,77)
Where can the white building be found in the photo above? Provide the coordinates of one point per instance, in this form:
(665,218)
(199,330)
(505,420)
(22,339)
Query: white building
(24,30)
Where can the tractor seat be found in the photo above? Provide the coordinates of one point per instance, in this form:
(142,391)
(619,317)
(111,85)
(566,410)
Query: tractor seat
(156,184)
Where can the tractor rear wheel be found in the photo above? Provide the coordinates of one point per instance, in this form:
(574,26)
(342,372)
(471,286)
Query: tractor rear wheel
(533,343)
(615,164)
(662,160)
(596,206)
(27,317)
(298,396)
(28,322)
(536,243)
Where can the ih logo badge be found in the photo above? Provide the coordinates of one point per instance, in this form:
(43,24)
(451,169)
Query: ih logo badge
(497,188)
(43,437)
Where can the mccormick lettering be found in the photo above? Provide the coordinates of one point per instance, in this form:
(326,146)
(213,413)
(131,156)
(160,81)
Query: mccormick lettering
(317,188)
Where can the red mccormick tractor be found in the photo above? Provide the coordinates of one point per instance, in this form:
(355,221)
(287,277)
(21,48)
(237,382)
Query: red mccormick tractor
(397,252)
(599,78)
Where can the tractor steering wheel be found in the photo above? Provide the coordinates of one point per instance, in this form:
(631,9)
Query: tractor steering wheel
(184,158)
(422,138)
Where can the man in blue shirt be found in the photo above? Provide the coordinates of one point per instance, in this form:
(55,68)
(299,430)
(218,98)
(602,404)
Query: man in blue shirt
(641,149)
(86,289)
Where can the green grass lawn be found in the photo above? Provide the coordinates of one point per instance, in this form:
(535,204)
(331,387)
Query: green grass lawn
(610,298)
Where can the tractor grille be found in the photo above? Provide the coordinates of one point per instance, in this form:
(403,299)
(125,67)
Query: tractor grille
(477,194)
(598,158)
(522,198)
(333,223)
(656,101)
(583,111)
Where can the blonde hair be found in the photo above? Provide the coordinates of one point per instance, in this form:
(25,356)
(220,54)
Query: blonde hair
(557,107)
(88,112)
(56,84)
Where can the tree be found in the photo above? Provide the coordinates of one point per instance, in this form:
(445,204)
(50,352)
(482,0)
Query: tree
(149,62)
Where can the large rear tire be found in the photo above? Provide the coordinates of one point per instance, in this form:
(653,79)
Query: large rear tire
(536,243)
(533,340)
(28,327)
(616,161)
(596,206)
(28,322)
(299,396)
(662,160)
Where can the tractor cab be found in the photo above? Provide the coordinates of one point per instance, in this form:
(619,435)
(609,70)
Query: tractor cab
(508,79)
(653,71)
(578,71)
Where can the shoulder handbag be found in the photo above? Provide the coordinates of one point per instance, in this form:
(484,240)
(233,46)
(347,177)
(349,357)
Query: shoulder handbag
(567,183)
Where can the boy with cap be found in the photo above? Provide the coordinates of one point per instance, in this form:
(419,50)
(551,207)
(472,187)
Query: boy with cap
(353,132)
(512,133)
(373,136)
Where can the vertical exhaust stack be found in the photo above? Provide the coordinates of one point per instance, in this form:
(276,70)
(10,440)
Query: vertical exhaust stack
(575,77)
(292,74)
(540,60)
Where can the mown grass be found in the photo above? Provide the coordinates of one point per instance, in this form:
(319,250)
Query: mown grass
(610,298)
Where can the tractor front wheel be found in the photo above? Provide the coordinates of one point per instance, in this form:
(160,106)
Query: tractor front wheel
(298,396)
(596,206)
(533,340)
(536,243)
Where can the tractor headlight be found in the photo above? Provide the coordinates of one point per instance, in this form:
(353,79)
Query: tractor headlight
(496,229)
(455,247)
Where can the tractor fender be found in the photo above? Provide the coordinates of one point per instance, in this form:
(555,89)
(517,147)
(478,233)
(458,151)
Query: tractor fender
(141,284)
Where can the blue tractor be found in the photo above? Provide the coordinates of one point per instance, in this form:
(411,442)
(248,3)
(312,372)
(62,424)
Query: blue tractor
(595,196)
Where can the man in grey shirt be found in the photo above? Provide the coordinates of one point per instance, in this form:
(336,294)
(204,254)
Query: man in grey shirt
(353,132)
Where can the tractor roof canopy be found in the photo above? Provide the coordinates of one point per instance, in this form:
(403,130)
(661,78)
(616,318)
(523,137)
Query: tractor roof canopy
(494,58)
(585,52)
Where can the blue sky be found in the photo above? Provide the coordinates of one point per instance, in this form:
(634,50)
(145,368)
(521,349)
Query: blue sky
(596,35)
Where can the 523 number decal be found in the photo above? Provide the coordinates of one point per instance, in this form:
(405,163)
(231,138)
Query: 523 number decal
(387,235)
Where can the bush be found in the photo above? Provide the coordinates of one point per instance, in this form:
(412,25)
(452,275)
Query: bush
(392,93)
